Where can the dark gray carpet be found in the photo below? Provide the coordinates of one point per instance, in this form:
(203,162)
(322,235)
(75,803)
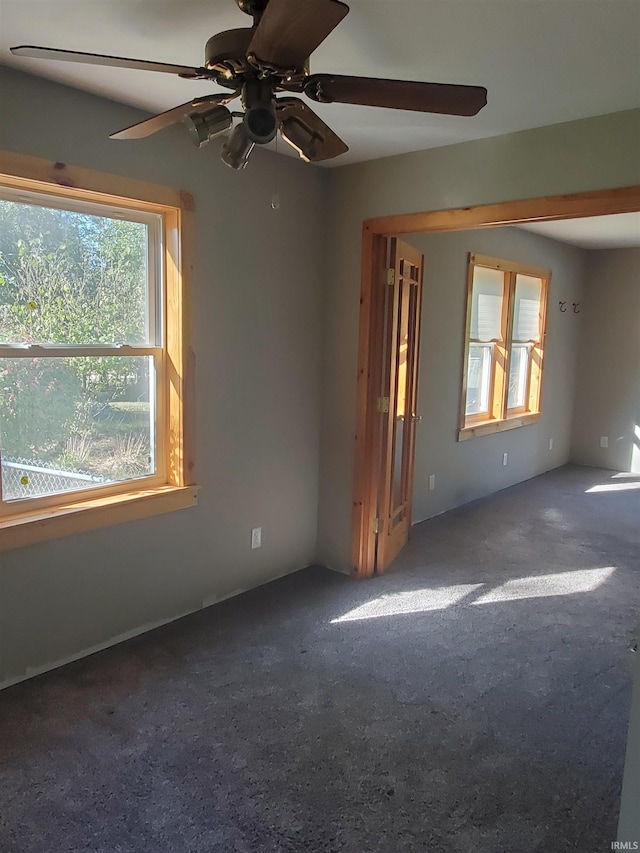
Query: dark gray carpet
(261,724)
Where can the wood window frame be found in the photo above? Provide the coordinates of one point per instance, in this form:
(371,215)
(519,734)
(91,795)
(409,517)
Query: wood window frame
(499,417)
(375,232)
(113,505)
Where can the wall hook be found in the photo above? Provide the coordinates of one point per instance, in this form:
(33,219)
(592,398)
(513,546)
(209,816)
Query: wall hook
(576,307)
(563,306)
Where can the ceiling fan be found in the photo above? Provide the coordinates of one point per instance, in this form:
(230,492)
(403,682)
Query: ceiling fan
(268,59)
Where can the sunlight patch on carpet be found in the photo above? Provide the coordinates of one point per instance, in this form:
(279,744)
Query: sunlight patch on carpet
(543,586)
(441,598)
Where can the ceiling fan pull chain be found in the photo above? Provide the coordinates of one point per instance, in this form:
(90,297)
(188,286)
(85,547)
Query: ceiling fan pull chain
(275,198)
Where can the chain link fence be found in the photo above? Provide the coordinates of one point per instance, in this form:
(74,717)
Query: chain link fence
(22,478)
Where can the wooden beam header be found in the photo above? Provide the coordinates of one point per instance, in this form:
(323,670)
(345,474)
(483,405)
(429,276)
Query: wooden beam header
(544,209)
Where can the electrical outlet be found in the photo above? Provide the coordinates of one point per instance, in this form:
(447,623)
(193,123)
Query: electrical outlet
(256,537)
(432,482)
(550,444)
(505,458)
(604,441)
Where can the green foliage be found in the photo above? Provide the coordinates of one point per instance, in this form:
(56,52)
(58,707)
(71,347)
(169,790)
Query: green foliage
(38,400)
(89,289)
(73,279)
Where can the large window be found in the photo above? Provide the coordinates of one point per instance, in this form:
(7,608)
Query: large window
(504,338)
(91,355)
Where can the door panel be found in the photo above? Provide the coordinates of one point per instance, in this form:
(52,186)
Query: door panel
(400,386)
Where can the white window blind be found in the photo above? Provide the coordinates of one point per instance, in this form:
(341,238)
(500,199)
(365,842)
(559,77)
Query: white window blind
(486,307)
(526,317)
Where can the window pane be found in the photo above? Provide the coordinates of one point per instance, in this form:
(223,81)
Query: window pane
(75,423)
(486,304)
(478,378)
(518,376)
(71,278)
(526,316)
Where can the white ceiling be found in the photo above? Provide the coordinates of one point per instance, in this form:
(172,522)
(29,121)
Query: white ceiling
(596,232)
(543,61)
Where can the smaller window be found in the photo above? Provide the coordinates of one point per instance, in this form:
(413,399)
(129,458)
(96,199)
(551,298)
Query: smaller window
(504,335)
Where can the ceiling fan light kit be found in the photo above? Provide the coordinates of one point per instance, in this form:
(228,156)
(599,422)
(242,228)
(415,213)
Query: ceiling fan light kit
(269,59)
(299,137)
(205,126)
(237,149)
(259,120)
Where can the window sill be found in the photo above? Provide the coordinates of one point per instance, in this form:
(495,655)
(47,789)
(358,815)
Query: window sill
(63,520)
(489,427)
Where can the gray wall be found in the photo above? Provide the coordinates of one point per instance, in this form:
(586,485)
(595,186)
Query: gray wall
(590,154)
(256,339)
(257,330)
(608,385)
(469,469)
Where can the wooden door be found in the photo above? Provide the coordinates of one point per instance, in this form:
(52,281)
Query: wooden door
(398,403)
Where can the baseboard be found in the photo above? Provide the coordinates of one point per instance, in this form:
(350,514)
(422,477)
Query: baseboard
(211,601)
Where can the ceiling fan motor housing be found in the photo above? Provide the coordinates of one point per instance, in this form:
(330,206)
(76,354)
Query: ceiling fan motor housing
(226,54)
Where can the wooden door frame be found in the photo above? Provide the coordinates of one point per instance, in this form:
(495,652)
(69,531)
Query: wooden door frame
(375,233)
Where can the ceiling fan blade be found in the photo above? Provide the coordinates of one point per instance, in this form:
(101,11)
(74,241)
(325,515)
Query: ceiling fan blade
(306,132)
(449,99)
(290,30)
(172,116)
(100,59)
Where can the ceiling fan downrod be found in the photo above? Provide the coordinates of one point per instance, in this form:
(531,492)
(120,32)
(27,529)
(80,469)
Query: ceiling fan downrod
(255,8)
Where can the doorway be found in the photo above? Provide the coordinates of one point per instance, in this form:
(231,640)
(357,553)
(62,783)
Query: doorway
(374,434)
